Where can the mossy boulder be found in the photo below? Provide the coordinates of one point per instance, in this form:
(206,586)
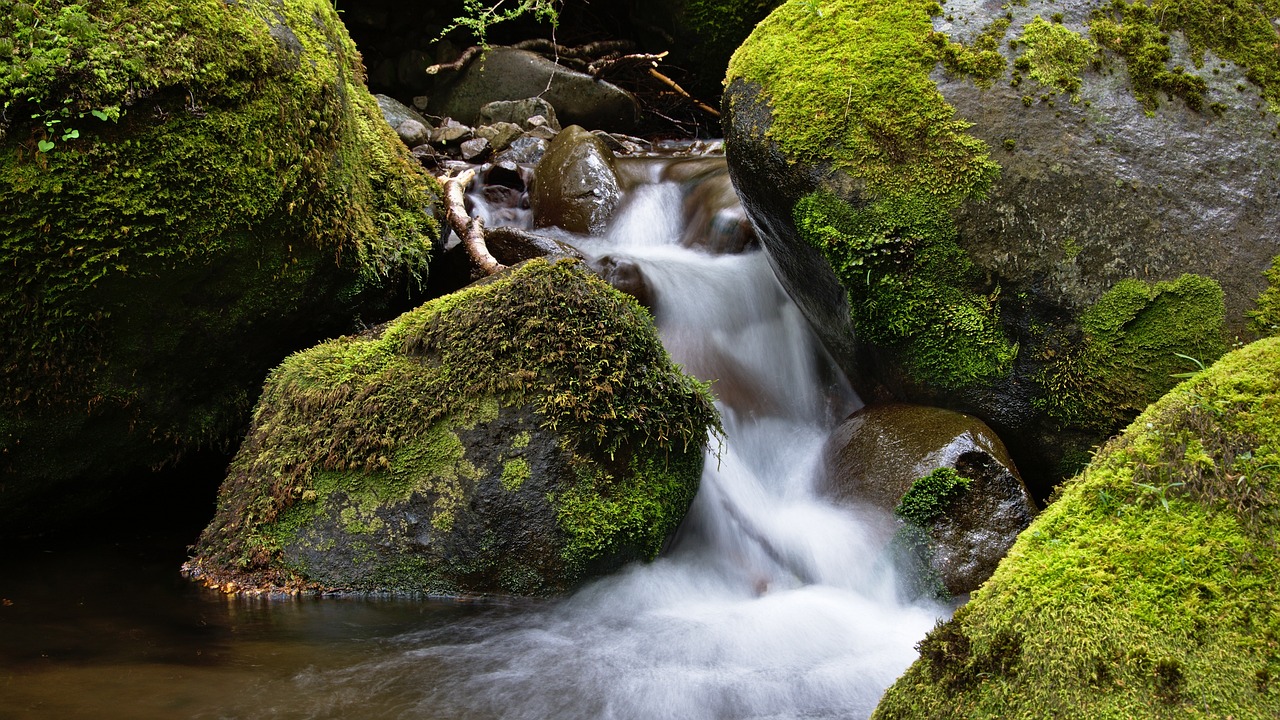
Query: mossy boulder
(1147,589)
(188,192)
(515,437)
(946,476)
(956,196)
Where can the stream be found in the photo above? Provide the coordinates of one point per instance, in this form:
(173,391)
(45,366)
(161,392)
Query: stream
(770,603)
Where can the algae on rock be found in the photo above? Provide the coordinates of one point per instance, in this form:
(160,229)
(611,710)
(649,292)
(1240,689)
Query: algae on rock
(514,437)
(188,192)
(1147,589)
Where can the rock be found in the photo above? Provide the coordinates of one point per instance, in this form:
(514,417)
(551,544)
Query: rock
(500,134)
(435,456)
(1187,569)
(875,456)
(512,245)
(396,112)
(524,150)
(624,275)
(450,132)
(1035,263)
(575,185)
(509,74)
(507,174)
(413,133)
(542,132)
(519,112)
(476,150)
(158,267)
(714,219)
(427,156)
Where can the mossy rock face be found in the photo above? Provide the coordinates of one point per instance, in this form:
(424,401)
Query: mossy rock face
(188,192)
(948,192)
(1147,589)
(515,437)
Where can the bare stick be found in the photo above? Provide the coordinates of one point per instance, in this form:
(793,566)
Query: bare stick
(613,63)
(469,229)
(672,84)
(466,57)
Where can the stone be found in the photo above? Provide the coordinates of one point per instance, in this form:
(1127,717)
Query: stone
(450,132)
(575,185)
(543,132)
(427,470)
(626,276)
(715,221)
(520,112)
(524,150)
(875,456)
(396,112)
(507,174)
(510,74)
(499,134)
(475,150)
(413,133)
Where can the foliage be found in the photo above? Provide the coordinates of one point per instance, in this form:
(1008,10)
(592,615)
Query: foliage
(910,286)
(478,16)
(1054,55)
(1131,346)
(1266,319)
(382,408)
(930,496)
(1109,606)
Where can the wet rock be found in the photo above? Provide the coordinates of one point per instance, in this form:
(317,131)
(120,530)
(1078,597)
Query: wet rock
(875,456)
(519,112)
(714,219)
(624,275)
(413,133)
(475,150)
(542,132)
(509,74)
(575,184)
(507,174)
(524,150)
(450,132)
(499,134)
(512,245)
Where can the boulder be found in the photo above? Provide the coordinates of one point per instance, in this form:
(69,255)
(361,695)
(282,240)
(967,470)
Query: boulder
(575,185)
(510,74)
(1147,588)
(499,134)
(524,150)
(997,211)
(519,112)
(876,457)
(473,445)
(396,113)
(250,201)
(714,219)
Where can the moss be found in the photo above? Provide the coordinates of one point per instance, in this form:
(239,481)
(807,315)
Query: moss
(1119,606)
(980,60)
(930,496)
(910,286)
(1266,319)
(370,421)
(514,473)
(1132,346)
(165,260)
(1054,55)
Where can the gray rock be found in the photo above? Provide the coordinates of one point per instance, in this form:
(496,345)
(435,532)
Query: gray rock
(541,131)
(714,219)
(874,457)
(520,112)
(508,74)
(499,134)
(413,133)
(396,112)
(450,132)
(625,275)
(524,150)
(512,245)
(575,185)
(475,150)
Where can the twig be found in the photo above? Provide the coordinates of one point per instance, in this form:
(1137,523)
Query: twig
(463,60)
(469,229)
(672,84)
(613,63)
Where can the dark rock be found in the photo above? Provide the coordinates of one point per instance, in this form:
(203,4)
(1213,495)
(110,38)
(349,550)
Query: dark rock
(411,70)
(508,74)
(427,156)
(575,185)
(413,133)
(500,135)
(475,150)
(519,112)
(450,132)
(511,245)
(506,174)
(524,150)
(876,455)
(714,219)
(625,275)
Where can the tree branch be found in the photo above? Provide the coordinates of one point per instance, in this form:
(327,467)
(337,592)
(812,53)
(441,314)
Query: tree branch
(470,230)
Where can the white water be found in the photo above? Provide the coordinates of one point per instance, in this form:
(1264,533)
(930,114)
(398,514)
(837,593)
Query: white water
(772,603)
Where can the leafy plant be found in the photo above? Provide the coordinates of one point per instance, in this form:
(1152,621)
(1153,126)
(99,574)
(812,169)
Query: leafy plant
(478,16)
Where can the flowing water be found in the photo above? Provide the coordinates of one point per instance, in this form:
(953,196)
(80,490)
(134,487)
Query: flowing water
(770,603)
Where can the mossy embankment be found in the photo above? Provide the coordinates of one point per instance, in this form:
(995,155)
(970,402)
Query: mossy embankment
(188,192)
(513,437)
(1147,589)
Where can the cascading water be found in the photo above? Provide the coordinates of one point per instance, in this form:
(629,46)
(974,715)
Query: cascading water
(772,603)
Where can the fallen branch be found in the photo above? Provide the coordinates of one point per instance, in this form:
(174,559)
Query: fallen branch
(672,84)
(470,230)
(457,65)
(615,63)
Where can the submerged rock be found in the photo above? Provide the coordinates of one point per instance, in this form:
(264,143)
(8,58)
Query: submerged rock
(1023,219)
(575,185)
(224,202)
(1147,588)
(876,456)
(515,437)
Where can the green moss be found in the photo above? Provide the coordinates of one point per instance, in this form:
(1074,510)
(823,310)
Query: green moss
(980,60)
(910,286)
(1113,606)
(247,196)
(1266,319)
(1129,350)
(1054,55)
(514,473)
(930,496)
(369,421)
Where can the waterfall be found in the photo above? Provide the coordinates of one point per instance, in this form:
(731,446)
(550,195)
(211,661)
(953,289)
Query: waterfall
(771,602)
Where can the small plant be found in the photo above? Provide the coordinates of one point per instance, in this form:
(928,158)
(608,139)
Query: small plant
(931,495)
(1199,365)
(1160,492)
(479,17)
